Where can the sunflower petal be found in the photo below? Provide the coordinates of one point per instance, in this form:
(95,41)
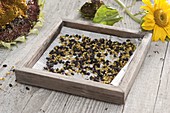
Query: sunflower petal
(146,8)
(160,28)
(148,26)
(147,2)
(149,22)
(148,17)
(167,29)
(166,7)
(168,12)
(159,33)
(162,34)
(160,3)
(155,34)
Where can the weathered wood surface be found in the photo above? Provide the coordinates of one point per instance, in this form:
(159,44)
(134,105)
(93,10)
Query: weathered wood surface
(149,93)
(24,73)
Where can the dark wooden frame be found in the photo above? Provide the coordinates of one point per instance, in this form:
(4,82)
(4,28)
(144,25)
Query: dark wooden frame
(104,92)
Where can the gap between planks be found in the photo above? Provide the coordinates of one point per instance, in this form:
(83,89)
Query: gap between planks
(163,98)
(78,97)
(161,77)
(96,102)
(10,93)
(144,91)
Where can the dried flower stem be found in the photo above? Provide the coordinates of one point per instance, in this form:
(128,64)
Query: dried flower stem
(128,12)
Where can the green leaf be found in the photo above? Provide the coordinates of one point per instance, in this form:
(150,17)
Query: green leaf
(21,39)
(41,3)
(13,43)
(106,15)
(4,44)
(9,44)
(38,24)
(41,14)
(34,31)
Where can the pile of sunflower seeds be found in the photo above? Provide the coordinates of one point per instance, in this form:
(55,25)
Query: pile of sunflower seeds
(99,59)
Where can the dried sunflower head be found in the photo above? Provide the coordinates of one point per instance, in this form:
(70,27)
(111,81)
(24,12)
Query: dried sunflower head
(17,19)
(89,9)
(10,9)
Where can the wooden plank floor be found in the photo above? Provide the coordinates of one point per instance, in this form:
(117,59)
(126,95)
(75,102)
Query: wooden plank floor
(149,94)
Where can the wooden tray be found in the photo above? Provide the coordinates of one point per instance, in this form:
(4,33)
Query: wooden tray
(104,92)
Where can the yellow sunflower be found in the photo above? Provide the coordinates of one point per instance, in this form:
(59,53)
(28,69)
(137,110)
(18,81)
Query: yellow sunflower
(157,19)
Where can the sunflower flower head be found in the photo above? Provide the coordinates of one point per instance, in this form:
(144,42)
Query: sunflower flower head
(157,18)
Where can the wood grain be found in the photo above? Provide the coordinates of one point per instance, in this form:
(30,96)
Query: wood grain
(141,98)
(98,28)
(163,95)
(86,89)
(14,99)
(135,64)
